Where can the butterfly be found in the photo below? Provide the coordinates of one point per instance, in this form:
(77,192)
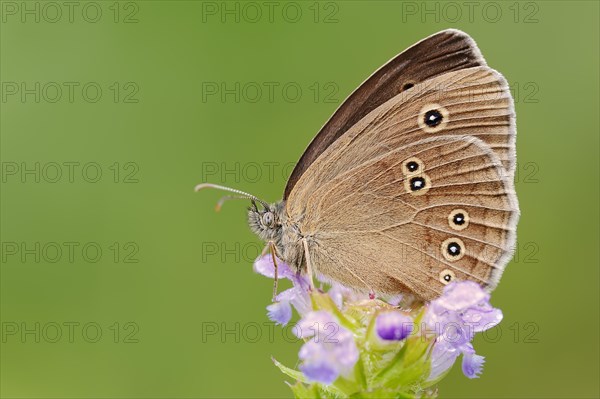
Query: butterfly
(410,185)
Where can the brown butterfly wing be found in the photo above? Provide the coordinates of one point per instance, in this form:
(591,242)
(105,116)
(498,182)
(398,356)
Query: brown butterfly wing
(474,101)
(443,52)
(367,229)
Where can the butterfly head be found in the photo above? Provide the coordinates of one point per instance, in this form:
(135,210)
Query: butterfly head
(266,222)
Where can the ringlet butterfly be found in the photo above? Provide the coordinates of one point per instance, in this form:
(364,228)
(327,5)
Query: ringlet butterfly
(409,185)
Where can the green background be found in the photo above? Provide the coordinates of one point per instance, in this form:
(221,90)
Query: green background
(166,133)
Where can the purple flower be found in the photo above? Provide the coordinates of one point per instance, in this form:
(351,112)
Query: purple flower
(264,265)
(330,352)
(472,364)
(281,311)
(393,325)
(456,316)
(443,357)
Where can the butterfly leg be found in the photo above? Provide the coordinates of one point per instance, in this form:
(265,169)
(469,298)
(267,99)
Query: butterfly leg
(308,265)
(271,248)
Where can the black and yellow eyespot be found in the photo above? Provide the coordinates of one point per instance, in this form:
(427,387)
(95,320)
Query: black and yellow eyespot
(453,249)
(433,118)
(458,219)
(417,184)
(412,166)
(447,276)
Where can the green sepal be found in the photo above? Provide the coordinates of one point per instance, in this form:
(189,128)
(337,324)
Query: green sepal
(302,391)
(314,391)
(295,374)
(410,366)
(383,394)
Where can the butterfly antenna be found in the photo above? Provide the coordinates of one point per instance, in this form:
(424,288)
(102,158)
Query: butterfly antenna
(227,198)
(240,194)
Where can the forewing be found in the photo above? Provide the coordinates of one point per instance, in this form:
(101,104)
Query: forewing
(443,52)
(474,101)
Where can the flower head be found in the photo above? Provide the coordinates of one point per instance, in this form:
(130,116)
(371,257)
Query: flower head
(354,344)
(461,311)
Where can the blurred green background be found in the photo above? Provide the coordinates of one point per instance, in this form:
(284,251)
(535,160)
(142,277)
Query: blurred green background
(118,281)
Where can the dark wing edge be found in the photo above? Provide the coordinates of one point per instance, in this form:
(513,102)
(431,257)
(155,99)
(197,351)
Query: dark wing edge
(457,50)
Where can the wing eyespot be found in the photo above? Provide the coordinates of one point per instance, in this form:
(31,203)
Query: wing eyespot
(458,219)
(453,249)
(433,118)
(447,276)
(417,184)
(412,166)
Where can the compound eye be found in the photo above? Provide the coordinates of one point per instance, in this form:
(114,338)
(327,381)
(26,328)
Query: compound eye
(268,219)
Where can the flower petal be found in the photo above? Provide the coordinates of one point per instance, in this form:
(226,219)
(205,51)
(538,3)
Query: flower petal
(461,311)
(264,265)
(460,296)
(472,364)
(316,366)
(280,312)
(316,323)
(443,357)
(297,297)
(330,352)
(482,318)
